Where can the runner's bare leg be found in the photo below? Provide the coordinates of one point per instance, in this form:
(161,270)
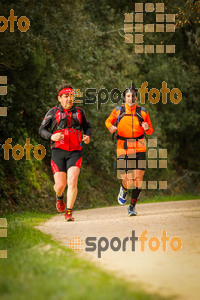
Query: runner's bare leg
(138,177)
(60,183)
(134,179)
(72,181)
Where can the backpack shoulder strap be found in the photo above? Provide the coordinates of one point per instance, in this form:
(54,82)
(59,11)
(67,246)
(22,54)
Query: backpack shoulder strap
(59,107)
(138,109)
(121,109)
(138,113)
(144,109)
(77,111)
(122,112)
(63,121)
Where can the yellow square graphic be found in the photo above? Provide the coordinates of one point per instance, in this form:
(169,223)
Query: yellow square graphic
(170,48)
(149,7)
(138,7)
(138,48)
(152,143)
(3,222)
(139,18)
(130,175)
(152,153)
(128,38)
(121,163)
(162,185)
(131,145)
(170,18)
(162,153)
(142,163)
(131,185)
(160,18)
(3,253)
(128,27)
(160,28)
(78,93)
(138,27)
(3,90)
(152,185)
(78,101)
(142,184)
(121,174)
(3,111)
(160,49)
(152,164)
(131,164)
(139,38)
(3,79)
(149,49)
(131,155)
(3,232)
(130,141)
(122,156)
(160,7)
(142,142)
(162,164)
(128,17)
(74,242)
(149,28)
(170,28)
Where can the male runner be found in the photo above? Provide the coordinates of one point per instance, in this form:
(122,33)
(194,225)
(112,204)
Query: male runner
(132,122)
(65,122)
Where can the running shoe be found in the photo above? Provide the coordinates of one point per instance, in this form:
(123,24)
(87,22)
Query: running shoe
(122,197)
(131,211)
(68,215)
(60,204)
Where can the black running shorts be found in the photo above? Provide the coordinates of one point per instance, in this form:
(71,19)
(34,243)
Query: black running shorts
(62,160)
(131,162)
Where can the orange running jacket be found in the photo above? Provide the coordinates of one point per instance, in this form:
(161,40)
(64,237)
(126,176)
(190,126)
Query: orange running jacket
(130,128)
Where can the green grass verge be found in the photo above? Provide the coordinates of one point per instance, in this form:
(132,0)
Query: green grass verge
(156,199)
(39,268)
(170,198)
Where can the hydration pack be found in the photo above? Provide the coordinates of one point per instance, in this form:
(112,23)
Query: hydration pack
(138,113)
(123,113)
(74,120)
